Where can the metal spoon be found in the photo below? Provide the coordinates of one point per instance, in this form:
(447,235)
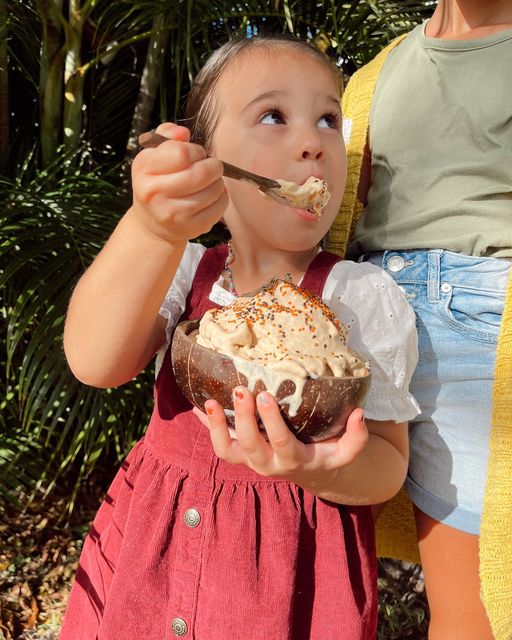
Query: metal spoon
(272,188)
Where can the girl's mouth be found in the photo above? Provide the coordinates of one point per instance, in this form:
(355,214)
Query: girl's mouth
(306,214)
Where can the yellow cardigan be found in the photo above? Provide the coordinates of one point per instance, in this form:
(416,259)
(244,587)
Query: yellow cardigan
(396,533)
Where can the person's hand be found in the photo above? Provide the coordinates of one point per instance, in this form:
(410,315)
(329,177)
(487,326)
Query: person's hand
(178,192)
(313,466)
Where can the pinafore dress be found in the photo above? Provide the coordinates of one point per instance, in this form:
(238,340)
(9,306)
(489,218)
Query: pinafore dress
(187,545)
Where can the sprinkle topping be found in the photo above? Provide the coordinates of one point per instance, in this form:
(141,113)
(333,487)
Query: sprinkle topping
(282,327)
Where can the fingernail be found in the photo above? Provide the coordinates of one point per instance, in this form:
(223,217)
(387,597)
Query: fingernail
(263,398)
(238,392)
(209,409)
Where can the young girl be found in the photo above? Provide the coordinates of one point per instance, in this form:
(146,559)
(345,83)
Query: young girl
(202,535)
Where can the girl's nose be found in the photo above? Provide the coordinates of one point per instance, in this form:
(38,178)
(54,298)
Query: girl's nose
(310,147)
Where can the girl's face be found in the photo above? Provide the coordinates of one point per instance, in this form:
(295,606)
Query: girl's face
(279,117)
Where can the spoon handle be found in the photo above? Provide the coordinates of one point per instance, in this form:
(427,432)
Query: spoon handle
(230,171)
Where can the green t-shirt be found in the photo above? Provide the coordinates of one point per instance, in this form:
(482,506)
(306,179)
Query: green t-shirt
(441,142)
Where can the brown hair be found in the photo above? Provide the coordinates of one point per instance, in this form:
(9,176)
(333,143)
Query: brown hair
(201,113)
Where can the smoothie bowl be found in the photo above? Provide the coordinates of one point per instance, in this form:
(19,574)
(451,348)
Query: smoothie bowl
(282,339)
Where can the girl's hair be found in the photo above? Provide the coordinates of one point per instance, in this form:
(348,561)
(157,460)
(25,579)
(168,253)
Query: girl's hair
(201,112)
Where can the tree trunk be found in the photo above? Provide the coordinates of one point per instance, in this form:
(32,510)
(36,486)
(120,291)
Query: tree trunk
(73,77)
(4,88)
(50,79)
(149,83)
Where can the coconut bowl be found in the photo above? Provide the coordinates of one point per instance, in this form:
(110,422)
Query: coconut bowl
(327,401)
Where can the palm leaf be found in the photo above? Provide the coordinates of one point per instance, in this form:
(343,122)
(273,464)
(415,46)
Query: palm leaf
(45,220)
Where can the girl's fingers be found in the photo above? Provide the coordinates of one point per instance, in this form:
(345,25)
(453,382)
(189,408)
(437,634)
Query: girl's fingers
(174,156)
(201,416)
(173,131)
(355,438)
(283,442)
(181,217)
(223,444)
(177,189)
(203,220)
(250,440)
(188,179)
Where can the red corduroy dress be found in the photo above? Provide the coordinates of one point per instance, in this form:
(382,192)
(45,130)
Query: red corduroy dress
(186,545)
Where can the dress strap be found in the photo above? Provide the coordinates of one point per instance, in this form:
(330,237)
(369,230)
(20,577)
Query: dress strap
(208,270)
(316,275)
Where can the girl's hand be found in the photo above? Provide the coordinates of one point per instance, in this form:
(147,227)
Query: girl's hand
(178,192)
(313,466)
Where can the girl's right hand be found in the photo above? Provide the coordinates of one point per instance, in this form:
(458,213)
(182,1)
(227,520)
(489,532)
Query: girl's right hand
(178,192)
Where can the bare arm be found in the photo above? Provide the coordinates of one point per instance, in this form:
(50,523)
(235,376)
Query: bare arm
(113,327)
(375,475)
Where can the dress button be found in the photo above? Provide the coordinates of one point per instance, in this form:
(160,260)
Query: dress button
(446,287)
(192,518)
(395,263)
(179,627)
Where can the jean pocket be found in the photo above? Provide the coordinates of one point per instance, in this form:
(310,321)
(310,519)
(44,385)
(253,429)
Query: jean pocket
(475,314)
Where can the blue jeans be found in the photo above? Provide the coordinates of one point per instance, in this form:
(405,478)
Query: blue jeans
(459,302)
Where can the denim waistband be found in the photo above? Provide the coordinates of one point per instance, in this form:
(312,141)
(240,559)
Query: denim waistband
(437,266)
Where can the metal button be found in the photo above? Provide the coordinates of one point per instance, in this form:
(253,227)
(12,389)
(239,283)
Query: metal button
(446,288)
(395,263)
(179,627)
(192,518)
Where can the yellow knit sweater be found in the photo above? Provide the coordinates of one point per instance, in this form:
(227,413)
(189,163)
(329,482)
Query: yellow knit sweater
(396,533)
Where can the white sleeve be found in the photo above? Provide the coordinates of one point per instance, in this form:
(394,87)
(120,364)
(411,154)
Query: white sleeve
(382,328)
(175,300)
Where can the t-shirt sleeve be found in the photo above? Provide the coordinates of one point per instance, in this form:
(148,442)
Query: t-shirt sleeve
(382,328)
(175,300)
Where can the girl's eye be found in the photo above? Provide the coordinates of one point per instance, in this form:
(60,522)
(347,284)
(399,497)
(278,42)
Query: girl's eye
(329,121)
(272,117)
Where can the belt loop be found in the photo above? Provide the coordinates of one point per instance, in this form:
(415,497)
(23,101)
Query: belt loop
(434,268)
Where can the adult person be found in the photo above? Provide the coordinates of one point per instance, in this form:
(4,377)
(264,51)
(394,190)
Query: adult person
(429,129)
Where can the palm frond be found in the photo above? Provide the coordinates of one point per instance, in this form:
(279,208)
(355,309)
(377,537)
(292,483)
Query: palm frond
(54,222)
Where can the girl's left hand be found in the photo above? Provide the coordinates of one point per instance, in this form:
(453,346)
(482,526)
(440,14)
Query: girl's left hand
(313,466)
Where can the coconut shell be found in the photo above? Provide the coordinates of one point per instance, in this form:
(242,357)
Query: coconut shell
(202,373)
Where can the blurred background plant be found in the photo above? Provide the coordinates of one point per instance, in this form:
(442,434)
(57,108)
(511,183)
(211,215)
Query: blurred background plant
(79,80)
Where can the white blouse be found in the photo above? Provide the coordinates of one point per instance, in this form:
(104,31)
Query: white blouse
(381,325)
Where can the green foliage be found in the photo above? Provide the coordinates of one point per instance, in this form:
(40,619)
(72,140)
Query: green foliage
(75,82)
(52,223)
